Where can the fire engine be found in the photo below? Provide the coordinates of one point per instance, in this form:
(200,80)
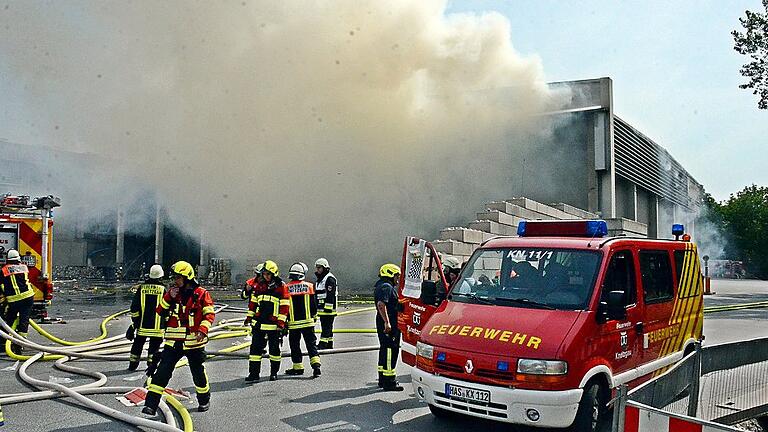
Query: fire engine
(26,224)
(538,329)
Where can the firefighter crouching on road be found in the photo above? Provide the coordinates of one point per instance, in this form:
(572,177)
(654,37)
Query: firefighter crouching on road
(327,293)
(268,312)
(147,323)
(301,320)
(17,295)
(252,283)
(195,317)
(385,296)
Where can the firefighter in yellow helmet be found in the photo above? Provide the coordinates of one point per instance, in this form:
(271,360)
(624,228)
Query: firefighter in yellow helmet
(195,317)
(385,297)
(17,295)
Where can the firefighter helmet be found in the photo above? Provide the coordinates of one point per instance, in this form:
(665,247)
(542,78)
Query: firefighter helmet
(322,262)
(452,263)
(13,255)
(183,268)
(271,267)
(258,268)
(389,270)
(156,271)
(298,271)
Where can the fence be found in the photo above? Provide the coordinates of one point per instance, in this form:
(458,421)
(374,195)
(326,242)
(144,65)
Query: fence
(709,389)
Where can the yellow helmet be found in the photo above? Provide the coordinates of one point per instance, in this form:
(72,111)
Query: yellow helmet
(183,268)
(271,267)
(389,270)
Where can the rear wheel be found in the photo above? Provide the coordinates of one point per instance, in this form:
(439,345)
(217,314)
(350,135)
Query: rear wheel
(592,415)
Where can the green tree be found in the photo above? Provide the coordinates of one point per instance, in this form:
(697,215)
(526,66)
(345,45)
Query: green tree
(745,219)
(753,42)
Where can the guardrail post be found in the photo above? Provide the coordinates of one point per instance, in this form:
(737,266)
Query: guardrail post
(693,394)
(619,408)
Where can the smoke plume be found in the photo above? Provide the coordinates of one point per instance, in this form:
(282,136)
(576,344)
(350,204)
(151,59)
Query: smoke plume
(286,130)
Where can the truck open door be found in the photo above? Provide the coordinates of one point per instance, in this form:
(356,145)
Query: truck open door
(421,290)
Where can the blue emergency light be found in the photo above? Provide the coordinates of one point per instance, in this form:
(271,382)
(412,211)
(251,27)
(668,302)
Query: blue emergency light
(502,366)
(441,356)
(567,228)
(678,229)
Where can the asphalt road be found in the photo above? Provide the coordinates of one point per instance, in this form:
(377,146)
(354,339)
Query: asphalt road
(344,398)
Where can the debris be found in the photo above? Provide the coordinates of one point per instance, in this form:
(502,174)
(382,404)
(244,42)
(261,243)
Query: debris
(59,380)
(12,367)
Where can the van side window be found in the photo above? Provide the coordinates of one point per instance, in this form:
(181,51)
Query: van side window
(688,284)
(656,275)
(620,276)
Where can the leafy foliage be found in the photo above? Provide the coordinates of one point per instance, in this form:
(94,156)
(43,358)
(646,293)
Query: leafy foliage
(753,42)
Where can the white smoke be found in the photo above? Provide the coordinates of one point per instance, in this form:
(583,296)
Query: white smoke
(287,129)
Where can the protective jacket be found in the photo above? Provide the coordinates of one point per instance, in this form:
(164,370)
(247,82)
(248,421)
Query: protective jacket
(269,308)
(146,320)
(14,280)
(303,307)
(194,308)
(327,294)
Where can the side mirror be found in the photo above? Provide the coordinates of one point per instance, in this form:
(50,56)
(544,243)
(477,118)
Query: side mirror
(615,306)
(429,292)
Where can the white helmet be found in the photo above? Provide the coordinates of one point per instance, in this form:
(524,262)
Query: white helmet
(322,262)
(156,271)
(298,270)
(452,263)
(13,255)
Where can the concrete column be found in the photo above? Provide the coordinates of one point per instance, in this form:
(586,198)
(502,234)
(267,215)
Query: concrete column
(653,216)
(120,241)
(203,265)
(159,232)
(634,202)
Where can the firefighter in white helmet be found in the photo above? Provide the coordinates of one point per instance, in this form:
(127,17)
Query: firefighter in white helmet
(301,320)
(147,323)
(16,295)
(327,291)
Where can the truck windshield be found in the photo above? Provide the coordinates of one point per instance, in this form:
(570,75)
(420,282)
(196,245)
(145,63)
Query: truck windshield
(528,277)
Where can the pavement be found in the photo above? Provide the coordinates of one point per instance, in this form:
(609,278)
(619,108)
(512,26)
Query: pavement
(344,398)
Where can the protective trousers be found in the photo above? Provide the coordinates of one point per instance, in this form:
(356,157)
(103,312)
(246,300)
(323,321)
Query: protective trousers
(18,310)
(153,356)
(326,331)
(171,355)
(258,342)
(389,348)
(294,340)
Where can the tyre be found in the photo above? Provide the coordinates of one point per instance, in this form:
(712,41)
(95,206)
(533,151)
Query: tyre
(592,415)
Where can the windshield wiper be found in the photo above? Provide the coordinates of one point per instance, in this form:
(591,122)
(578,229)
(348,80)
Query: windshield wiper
(475,297)
(525,301)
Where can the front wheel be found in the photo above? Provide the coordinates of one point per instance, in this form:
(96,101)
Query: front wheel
(592,415)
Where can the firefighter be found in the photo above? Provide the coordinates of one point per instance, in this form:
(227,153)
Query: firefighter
(251,283)
(17,296)
(385,296)
(327,294)
(147,323)
(195,316)
(2,418)
(301,320)
(267,312)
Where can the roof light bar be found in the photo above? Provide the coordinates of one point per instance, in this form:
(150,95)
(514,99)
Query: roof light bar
(571,228)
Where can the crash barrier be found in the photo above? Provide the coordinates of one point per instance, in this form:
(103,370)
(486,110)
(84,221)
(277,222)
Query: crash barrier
(714,386)
(642,418)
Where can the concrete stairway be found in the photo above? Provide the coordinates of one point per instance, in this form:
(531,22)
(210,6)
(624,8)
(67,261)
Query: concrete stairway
(501,218)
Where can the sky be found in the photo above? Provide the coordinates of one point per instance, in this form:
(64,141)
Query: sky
(675,74)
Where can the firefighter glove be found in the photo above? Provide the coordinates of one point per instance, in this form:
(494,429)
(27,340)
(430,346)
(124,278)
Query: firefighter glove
(130,333)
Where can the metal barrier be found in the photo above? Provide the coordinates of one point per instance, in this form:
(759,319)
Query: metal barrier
(710,388)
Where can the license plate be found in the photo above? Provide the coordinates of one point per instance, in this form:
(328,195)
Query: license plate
(467,393)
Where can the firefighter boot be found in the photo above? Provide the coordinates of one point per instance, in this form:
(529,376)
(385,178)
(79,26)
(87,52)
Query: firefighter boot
(322,345)
(274,368)
(381,380)
(132,366)
(254,368)
(203,402)
(390,384)
(297,369)
(149,411)
(316,371)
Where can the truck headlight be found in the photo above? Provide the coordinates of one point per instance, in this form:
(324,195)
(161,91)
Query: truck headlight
(424,350)
(542,367)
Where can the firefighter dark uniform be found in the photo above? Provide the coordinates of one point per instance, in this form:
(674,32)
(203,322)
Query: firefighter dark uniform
(2,418)
(268,313)
(194,307)
(327,294)
(385,297)
(18,296)
(301,320)
(147,323)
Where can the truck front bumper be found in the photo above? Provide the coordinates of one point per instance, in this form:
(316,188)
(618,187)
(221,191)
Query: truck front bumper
(556,409)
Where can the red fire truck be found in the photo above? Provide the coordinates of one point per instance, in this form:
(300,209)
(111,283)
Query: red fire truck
(26,224)
(538,329)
